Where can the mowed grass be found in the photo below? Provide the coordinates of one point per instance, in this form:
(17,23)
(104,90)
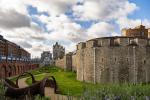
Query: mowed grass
(66,81)
(68,85)
(34,72)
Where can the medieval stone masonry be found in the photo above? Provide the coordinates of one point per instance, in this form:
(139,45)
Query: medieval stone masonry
(66,62)
(58,51)
(46,58)
(113,59)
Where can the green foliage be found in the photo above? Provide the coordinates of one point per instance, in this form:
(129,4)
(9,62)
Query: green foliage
(66,81)
(2,91)
(112,91)
(34,72)
(38,97)
(68,85)
(49,69)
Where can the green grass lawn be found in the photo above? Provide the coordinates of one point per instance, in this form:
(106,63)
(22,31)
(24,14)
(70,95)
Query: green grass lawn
(34,72)
(68,84)
(66,81)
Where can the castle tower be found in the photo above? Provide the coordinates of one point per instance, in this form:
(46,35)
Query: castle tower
(58,51)
(139,32)
(46,58)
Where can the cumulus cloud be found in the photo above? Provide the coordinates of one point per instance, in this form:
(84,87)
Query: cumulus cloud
(15,5)
(24,36)
(25,44)
(12,19)
(62,28)
(100,29)
(39,38)
(103,9)
(77,37)
(17,25)
(125,22)
(52,7)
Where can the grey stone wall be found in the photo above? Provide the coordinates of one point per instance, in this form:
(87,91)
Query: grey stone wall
(65,63)
(58,51)
(74,63)
(113,60)
(60,63)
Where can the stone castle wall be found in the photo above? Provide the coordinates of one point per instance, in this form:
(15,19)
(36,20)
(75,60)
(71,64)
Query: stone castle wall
(65,63)
(60,63)
(74,63)
(113,60)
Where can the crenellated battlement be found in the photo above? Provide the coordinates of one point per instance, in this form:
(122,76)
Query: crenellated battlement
(113,41)
(81,45)
(113,60)
(119,59)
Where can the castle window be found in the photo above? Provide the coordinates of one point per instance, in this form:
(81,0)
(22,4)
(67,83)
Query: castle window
(102,59)
(95,43)
(117,42)
(144,61)
(142,33)
(112,42)
(133,42)
(99,43)
(127,59)
(115,59)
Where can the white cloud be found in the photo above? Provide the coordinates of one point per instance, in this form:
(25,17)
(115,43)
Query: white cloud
(62,28)
(25,44)
(24,36)
(16,5)
(125,22)
(100,29)
(16,24)
(53,7)
(103,9)
(12,19)
(115,34)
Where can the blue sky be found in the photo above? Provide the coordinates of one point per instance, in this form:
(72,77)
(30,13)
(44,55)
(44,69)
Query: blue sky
(143,11)
(44,22)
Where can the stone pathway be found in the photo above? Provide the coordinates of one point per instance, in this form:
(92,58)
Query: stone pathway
(49,92)
(22,83)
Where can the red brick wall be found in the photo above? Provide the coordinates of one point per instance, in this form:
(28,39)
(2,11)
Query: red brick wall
(15,68)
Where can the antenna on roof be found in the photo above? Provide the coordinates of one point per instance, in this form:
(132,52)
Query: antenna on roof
(141,21)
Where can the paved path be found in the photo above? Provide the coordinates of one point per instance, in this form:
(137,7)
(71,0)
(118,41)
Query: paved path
(22,82)
(49,92)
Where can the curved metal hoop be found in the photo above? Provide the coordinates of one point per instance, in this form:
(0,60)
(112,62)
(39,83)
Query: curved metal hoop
(37,87)
(50,83)
(25,73)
